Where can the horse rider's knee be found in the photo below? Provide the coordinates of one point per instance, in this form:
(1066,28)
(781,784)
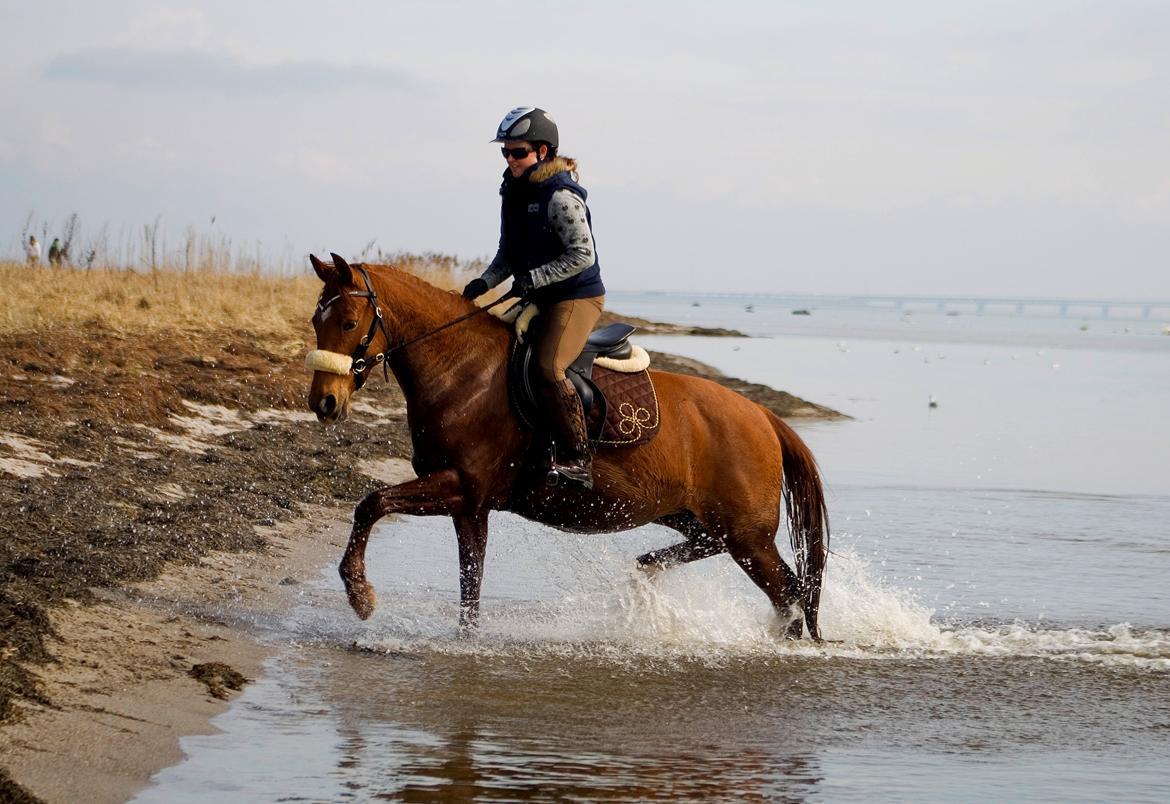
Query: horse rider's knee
(550,374)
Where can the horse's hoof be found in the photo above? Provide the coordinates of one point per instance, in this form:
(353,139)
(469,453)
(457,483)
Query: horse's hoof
(468,622)
(362,598)
(650,569)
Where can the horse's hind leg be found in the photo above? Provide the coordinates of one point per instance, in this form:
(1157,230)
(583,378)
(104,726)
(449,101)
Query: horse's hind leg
(699,544)
(681,553)
(763,564)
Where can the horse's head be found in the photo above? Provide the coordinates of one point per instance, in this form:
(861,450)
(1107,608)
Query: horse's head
(349,323)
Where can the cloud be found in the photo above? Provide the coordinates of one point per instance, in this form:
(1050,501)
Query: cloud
(196,71)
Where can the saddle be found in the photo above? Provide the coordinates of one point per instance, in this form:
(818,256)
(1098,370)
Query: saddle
(611,377)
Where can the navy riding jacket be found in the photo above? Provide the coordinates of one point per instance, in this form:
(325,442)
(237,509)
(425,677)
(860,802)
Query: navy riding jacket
(529,241)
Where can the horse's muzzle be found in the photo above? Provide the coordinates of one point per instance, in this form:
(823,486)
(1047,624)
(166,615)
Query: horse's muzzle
(328,409)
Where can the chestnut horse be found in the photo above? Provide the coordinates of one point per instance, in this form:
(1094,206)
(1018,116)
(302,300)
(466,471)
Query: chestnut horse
(718,471)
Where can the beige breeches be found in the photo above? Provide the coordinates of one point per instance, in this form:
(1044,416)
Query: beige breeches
(567,326)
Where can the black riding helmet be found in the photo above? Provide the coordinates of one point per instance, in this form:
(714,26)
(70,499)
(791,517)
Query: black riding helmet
(528,123)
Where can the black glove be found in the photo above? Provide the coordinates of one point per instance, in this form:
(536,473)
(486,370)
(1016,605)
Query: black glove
(475,288)
(521,286)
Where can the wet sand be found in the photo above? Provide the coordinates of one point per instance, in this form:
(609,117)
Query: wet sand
(160,500)
(121,688)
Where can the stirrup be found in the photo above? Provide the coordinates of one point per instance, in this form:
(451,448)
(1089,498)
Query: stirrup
(576,474)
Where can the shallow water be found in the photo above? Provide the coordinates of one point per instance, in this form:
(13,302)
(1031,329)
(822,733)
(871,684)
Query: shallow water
(997,591)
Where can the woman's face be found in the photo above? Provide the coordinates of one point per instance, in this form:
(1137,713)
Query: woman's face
(518,166)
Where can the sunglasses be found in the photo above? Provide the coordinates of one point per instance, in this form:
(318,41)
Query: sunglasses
(516,153)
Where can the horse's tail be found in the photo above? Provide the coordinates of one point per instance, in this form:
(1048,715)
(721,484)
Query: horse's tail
(808,519)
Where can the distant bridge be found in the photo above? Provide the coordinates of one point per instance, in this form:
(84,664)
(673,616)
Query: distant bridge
(980,305)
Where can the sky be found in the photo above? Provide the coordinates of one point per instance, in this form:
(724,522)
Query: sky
(899,147)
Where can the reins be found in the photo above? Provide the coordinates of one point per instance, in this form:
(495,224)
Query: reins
(453,322)
(359,360)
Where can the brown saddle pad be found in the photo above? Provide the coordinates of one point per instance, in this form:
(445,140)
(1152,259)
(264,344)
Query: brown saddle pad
(631,410)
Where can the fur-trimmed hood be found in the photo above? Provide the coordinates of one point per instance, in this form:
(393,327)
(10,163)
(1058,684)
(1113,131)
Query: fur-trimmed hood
(544,171)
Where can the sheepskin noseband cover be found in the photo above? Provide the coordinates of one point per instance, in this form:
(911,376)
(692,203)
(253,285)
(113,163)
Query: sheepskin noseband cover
(332,362)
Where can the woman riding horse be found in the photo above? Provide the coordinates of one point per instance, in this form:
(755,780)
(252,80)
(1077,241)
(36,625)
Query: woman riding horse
(721,471)
(546,246)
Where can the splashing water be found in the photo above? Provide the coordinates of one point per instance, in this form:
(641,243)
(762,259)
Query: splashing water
(593,603)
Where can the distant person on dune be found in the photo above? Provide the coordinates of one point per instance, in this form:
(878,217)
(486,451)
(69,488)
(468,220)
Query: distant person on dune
(546,246)
(32,250)
(56,253)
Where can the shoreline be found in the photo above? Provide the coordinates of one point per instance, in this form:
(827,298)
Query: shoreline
(121,685)
(205,508)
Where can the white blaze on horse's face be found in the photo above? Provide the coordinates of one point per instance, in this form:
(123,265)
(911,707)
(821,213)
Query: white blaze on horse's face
(334,311)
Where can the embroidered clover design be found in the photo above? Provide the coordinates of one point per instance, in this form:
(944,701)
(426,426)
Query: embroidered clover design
(633,419)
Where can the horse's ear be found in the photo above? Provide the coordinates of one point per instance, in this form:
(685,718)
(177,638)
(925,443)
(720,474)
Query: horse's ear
(323,271)
(342,269)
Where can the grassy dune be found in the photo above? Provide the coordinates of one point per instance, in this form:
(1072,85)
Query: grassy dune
(127,301)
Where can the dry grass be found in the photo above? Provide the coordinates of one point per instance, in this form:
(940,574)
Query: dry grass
(441,270)
(37,299)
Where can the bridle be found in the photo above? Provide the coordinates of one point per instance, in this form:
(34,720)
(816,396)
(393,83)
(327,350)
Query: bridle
(358,363)
(358,360)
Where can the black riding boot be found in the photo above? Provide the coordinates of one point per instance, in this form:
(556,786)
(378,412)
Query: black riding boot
(567,420)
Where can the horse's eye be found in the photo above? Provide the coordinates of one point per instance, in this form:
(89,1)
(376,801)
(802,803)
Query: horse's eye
(349,325)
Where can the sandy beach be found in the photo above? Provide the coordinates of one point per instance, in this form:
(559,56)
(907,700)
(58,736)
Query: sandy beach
(163,498)
(119,691)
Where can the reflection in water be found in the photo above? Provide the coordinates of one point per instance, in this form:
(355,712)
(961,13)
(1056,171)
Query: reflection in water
(468,766)
(482,730)
(522,724)
(327,724)
(465,765)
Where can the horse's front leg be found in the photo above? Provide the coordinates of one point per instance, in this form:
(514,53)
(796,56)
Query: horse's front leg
(435,494)
(472,531)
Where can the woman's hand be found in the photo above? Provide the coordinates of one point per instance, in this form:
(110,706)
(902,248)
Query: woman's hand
(522,285)
(475,288)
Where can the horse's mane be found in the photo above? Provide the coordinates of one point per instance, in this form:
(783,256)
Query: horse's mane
(441,305)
